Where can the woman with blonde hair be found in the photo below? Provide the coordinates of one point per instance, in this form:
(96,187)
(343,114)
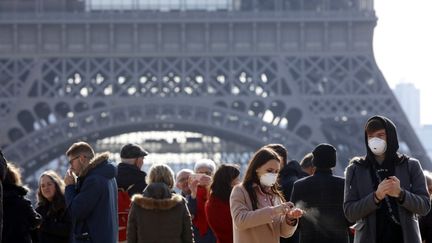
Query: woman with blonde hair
(159,215)
(259,211)
(56,223)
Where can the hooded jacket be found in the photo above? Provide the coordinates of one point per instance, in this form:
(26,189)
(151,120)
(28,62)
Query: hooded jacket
(359,204)
(159,216)
(19,216)
(92,202)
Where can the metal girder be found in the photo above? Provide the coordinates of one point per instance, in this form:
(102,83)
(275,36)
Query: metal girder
(297,78)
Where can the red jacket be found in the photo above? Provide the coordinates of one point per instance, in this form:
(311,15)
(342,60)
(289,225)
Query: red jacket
(219,218)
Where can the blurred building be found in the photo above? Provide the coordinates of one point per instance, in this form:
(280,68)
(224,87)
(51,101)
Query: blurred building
(409,98)
(425,135)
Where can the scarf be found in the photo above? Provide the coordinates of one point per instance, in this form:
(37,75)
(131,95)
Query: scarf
(200,218)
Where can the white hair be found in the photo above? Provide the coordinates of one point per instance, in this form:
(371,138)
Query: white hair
(206,163)
(183,171)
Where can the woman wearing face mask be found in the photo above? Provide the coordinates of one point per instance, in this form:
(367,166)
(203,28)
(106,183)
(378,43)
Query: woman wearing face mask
(385,190)
(217,207)
(257,206)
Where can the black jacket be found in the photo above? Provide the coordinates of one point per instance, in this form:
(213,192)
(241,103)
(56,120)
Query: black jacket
(55,227)
(128,175)
(290,173)
(425,223)
(321,195)
(19,216)
(3,165)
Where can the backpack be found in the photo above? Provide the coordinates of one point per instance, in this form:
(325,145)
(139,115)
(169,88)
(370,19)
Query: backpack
(124,204)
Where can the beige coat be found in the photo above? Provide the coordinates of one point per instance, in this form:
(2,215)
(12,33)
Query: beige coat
(257,226)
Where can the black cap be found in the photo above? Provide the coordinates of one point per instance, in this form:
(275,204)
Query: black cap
(324,156)
(131,151)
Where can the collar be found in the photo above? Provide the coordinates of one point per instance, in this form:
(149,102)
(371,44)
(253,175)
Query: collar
(97,160)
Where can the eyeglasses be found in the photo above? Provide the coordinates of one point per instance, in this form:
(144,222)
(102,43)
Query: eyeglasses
(74,158)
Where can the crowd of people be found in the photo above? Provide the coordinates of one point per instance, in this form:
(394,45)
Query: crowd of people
(384,197)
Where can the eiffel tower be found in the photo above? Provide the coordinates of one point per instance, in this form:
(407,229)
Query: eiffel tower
(296,72)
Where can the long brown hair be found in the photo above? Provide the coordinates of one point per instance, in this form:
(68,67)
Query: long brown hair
(58,202)
(222,180)
(262,156)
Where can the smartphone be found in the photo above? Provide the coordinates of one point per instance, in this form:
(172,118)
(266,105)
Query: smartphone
(195,177)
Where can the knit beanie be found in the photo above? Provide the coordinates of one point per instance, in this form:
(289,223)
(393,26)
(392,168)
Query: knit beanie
(324,156)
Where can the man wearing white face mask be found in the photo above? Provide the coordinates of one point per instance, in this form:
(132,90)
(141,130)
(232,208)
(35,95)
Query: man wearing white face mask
(385,190)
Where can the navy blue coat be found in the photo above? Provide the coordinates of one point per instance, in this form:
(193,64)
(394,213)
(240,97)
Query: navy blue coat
(92,203)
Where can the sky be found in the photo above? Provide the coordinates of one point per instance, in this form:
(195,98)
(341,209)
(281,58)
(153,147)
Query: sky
(403,47)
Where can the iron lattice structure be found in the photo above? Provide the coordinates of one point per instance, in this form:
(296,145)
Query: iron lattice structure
(253,72)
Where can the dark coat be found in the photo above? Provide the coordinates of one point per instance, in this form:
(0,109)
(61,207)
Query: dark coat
(195,205)
(19,216)
(55,227)
(159,216)
(359,204)
(321,195)
(290,173)
(425,223)
(128,175)
(93,202)
(3,165)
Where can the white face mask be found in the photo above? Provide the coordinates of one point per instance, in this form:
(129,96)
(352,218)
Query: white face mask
(268,179)
(377,146)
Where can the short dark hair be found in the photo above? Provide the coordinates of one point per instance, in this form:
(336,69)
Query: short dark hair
(280,150)
(80,148)
(306,162)
(374,125)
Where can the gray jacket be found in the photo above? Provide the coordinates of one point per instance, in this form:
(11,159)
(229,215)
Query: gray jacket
(359,204)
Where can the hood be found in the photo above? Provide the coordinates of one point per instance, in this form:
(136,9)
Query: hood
(101,166)
(157,196)
(392,139)
(11,190)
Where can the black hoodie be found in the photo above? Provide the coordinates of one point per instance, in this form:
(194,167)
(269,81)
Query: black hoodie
(386,228)
(391,153)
